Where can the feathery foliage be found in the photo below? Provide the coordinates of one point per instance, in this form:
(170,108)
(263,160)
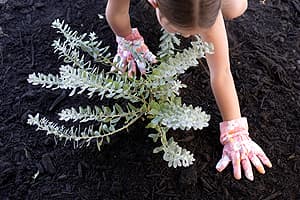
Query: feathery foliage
(155,97)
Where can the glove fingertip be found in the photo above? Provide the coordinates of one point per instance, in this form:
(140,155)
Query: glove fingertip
(112,69)
(267,162)
(130,74)
(143,72)
(261,169)
(154,61)
(250,177)
(219,168)
(237,176)
(150,57)
(269,165)
(237,173)
(222,164)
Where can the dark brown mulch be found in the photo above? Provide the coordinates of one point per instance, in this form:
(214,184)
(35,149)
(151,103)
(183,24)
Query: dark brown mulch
(265,57)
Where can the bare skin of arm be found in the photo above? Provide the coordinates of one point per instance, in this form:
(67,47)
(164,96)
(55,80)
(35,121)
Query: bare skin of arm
(222,82)
(117,15)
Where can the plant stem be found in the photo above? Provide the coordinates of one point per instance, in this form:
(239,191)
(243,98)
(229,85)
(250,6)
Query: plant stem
(118,130)
(163,137)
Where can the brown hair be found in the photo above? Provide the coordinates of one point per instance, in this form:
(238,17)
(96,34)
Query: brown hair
(190,13)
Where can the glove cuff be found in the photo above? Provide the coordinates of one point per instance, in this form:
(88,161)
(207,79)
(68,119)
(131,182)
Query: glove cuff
(133,36)
(232,128)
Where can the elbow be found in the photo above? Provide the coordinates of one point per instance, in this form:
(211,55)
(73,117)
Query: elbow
(237,9)
(108,14)
(112,14)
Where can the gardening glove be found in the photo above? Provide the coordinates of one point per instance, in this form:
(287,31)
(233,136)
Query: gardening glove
(240,149)
(132,52)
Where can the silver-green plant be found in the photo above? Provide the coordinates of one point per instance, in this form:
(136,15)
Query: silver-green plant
(155,96)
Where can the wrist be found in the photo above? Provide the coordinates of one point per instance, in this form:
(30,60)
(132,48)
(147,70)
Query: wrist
(233,128)
(134,38)
(134,35)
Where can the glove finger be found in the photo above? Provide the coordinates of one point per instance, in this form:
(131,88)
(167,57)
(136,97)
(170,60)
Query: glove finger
(150,57)
(131,68)
(262,156)
(223,163)
(236,162)
(256,162)
(141,65)
(247,168)
(126,59)
(116,61)
(121,63)
(265,159)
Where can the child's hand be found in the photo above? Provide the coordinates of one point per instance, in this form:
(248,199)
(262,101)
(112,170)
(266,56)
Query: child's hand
(240,149)
(132,52)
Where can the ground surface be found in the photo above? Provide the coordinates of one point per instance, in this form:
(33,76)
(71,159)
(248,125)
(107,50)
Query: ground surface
(265,57)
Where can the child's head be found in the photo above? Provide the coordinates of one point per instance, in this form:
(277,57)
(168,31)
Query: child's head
(186,16)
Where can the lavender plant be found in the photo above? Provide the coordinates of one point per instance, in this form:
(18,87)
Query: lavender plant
(156,96)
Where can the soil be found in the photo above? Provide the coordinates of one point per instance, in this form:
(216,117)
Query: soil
(265,63)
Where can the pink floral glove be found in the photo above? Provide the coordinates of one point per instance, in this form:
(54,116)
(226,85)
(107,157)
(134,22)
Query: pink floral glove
(132,52)
(240,149)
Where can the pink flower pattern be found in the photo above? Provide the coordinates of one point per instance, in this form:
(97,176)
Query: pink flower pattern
(125,58)
(240,149)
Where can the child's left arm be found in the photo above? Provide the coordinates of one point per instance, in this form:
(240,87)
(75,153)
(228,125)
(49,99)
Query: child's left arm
(238,147)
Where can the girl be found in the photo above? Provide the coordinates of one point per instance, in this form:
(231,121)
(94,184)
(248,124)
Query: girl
(205,18)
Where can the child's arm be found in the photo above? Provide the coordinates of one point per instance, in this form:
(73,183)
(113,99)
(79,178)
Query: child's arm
(238,146)
(117,15)
(130,42)
(220,75)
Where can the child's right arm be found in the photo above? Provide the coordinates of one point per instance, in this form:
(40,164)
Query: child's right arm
(117,15)
(132,51)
